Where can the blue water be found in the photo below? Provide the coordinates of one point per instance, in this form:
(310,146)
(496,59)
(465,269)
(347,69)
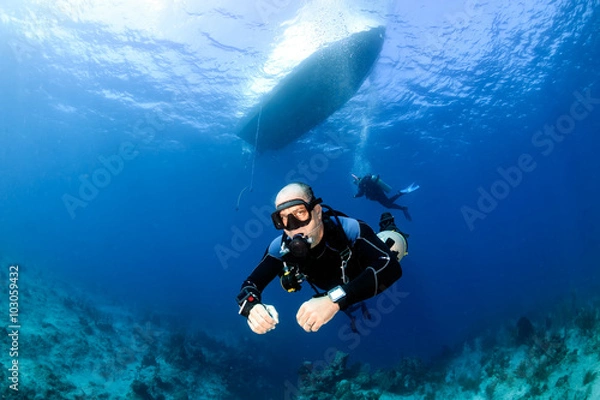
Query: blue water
(460,91)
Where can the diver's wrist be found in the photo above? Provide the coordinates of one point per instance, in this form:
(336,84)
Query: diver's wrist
(247,299)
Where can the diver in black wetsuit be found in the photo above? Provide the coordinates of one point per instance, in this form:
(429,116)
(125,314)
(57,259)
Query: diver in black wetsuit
(341,258)
(373,188)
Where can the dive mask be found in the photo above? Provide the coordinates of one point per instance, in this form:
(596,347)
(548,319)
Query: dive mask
(294,214)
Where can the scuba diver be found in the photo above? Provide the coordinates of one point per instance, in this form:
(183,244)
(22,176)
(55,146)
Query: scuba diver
(341,258)
(373,188)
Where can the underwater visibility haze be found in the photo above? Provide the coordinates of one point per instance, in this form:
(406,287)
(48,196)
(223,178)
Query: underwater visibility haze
(136,189)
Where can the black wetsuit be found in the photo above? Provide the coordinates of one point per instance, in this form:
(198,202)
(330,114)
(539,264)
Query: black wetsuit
(370,270)
(368,187)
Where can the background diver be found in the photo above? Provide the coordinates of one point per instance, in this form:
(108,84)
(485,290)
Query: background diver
(373,188)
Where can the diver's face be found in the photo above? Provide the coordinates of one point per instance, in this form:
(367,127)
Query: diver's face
(299,220)
(295,217)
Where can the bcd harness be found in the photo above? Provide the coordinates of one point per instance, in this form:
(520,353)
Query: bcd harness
(292,266)
(292,276)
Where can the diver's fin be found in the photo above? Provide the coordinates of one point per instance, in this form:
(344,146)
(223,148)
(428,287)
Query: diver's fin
(409,189)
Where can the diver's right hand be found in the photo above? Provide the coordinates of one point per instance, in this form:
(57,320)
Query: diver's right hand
(262,318)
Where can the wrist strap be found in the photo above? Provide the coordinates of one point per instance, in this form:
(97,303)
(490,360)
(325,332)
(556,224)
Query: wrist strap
(247,298)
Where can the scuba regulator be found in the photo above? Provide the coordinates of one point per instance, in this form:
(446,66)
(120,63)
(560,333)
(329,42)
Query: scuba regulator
(297,247)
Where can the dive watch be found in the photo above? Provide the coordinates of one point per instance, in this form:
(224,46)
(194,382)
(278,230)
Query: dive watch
(336,294)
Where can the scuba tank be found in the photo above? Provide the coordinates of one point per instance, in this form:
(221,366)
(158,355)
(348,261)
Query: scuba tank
(384,186)
(395,241)
(392,236)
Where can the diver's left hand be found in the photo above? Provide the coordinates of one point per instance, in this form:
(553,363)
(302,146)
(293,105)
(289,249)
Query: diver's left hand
(316,312)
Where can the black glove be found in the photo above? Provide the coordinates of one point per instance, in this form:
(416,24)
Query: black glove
(248,297)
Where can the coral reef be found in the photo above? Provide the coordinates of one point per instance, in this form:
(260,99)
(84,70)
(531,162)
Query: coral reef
(529,359)
(335,380)
(74,345)
(525,330)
